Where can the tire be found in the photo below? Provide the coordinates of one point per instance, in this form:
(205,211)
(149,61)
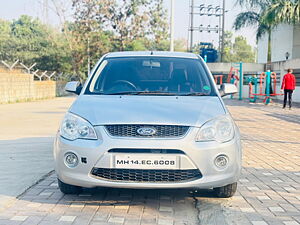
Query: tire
(225,191)
(68,188)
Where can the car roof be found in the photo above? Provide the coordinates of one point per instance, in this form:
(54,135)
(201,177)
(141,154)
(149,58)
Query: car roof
(152,54)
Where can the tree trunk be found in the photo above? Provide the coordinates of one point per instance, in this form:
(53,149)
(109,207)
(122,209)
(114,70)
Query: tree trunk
(269,47)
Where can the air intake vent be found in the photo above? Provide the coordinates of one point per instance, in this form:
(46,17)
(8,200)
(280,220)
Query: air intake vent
(135,175)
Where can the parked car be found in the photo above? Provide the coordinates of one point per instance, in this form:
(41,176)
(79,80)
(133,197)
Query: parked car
(149,120)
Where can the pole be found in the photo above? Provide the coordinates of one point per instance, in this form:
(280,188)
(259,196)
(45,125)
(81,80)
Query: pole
(192,25)
(172,26)
(255,82)
(220,42)
(241,81)
(268,87)
(89,58)
(223,31)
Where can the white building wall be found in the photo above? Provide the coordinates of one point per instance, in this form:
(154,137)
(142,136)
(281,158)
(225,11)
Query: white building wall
(282,41)
(296,47)
(262,49)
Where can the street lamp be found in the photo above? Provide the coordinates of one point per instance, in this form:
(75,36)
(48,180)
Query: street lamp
(287,55)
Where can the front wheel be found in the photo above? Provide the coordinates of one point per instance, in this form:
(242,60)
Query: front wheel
(68,188)
(226,191)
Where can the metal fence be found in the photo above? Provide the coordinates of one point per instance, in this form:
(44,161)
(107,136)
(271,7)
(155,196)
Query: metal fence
(37,74)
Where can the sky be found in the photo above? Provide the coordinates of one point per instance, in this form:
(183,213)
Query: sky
(14,8)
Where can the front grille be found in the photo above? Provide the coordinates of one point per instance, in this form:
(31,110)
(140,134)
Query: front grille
(162,131)
(135,175)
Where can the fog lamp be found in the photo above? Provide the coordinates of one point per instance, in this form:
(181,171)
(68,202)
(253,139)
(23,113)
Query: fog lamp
(221,161)
(71,160)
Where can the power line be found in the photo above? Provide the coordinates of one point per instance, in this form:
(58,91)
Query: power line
(210,11)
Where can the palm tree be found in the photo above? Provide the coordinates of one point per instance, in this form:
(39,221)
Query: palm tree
(267,14)
(254,18)
(283,12)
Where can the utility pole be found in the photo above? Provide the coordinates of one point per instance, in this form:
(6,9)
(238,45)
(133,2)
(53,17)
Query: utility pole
(172,26)
(89,56)
(45,12)
(209,10)
(223,31)
(192,25)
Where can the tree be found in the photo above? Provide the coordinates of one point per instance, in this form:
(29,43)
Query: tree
(158,25)
(4,40)
(180,45)
(282,12)
(242,51)
(97,27)
(228,45)
(253,18)
(131,21)
(127,19)
(237,51)
(266,14)
(29,41)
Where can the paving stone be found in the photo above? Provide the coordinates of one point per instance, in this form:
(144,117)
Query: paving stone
(290,223)
(33,220)
(276,209)
(259,223)
(165,222)
(125,207)
(116,220)
(165,209)
(77,205)
(253,188)
(268,174)
(67,218)
(263,197)
(247,210)
(19,218)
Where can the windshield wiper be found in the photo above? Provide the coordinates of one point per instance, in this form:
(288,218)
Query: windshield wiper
(140,93)
(193,94)
(123,93)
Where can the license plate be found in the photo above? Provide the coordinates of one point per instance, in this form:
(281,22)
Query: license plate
(145,162)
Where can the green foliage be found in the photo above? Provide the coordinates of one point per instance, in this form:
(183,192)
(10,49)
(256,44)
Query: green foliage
(98,27)
(5,31)
(237,51)
(31,42)
(180,45)
(280,11)
(136,45)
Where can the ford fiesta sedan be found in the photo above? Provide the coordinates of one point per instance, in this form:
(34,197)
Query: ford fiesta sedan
(149,120)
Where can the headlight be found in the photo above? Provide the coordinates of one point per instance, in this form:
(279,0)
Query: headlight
(74,127)
(220,129)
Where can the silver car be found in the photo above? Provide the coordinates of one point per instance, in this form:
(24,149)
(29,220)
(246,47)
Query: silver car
(149,120)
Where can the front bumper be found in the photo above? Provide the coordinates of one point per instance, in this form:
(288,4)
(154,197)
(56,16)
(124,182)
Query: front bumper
(197,155)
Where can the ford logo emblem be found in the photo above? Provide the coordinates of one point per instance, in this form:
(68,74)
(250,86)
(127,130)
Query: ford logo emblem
(146,131)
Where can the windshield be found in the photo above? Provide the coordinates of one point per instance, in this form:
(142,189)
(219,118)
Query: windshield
(151,76)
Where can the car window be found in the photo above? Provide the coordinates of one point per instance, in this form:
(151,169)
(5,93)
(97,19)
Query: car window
(156,75)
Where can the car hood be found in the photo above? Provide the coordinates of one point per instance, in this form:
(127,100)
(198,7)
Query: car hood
(164,110)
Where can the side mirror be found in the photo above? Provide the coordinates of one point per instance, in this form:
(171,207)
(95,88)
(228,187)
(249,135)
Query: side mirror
(73,87)
(227,89)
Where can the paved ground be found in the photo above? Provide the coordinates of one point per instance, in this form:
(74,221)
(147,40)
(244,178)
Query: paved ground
(268,192)
(26,137)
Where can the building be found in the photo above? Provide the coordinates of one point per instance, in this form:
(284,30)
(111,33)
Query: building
(285,44)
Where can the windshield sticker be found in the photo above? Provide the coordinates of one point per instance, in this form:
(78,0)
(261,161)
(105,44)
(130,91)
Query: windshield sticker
(206,88)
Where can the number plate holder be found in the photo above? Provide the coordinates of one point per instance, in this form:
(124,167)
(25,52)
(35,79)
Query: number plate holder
(146,161)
